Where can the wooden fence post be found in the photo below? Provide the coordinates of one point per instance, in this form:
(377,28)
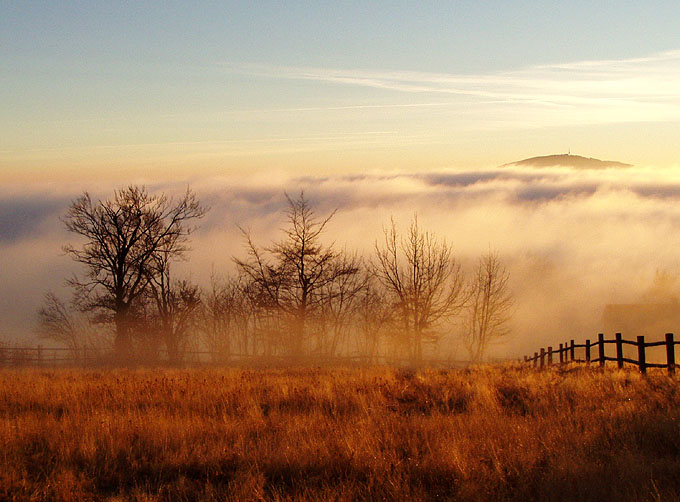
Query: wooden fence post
(561,357)
(535,359)
(600,341)
(572,351)
(525,359)
(542,357)
(670,353)
(619,351)
(642,363)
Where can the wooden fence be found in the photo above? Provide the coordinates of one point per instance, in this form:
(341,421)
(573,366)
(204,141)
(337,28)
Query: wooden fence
(16,356)
(567,353)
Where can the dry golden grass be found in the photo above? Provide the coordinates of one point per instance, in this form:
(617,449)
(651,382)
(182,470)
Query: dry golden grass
(501,433)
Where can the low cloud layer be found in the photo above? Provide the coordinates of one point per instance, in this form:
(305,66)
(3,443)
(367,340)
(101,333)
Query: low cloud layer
(573,240)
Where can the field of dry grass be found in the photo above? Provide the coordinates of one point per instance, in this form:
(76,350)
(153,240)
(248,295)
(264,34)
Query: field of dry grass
(496,433)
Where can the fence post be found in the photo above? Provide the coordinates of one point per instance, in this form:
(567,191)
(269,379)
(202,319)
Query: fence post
(535,359)
(641,354)
(670,353)
(525,359)
(600,341)
(550,356)
(572,351)
(588,351)
(542,357)
(561,359)
(619,351)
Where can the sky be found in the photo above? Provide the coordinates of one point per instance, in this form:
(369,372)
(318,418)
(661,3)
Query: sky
(170,89)
(376,109)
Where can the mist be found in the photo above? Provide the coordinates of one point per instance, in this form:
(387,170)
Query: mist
(573,240)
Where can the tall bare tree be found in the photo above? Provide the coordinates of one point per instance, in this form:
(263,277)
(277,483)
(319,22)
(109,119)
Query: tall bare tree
(121,237)
(294,271)
(423,279)
(490,307)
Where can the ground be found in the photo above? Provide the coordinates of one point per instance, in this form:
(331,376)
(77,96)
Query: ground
(489,433)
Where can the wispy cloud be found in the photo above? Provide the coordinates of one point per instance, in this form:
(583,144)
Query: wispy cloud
(605,91)
(357,107)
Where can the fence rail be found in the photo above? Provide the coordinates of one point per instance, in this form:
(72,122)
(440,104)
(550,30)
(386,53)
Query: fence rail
(15,356)
(567,353)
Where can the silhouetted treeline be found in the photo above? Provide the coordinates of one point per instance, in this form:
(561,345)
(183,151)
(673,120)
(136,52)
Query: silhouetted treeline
(300,296)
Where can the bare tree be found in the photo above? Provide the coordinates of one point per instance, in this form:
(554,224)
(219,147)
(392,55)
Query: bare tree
(59,323)
(56,322)
(215,318)
(424,281)
(227,316)
(341,298)
(122,235)
(489,310)
(293,273)
(176,303)
(373,317)
(265,287)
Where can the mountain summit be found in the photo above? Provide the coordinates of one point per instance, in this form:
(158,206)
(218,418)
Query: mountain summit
(567,160)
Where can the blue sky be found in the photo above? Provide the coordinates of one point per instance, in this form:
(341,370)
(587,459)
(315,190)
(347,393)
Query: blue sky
(247,83)
(423,36)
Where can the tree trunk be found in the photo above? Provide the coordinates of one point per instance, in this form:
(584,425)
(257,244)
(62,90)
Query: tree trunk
(172,345)
(123,341)
(298,336)
(418,346)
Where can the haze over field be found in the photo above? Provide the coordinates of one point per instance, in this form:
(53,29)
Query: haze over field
(377,110)
(573,239)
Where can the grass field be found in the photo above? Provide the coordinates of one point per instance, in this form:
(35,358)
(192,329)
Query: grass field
(493,433)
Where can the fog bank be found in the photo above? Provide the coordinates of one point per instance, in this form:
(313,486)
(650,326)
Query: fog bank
(573,240)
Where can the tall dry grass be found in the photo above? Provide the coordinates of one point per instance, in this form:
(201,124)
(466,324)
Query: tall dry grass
(493,433)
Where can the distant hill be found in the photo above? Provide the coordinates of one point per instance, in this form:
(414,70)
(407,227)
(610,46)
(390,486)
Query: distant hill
(566,160)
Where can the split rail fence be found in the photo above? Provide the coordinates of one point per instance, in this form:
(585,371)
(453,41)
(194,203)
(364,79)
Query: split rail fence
(567,353)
